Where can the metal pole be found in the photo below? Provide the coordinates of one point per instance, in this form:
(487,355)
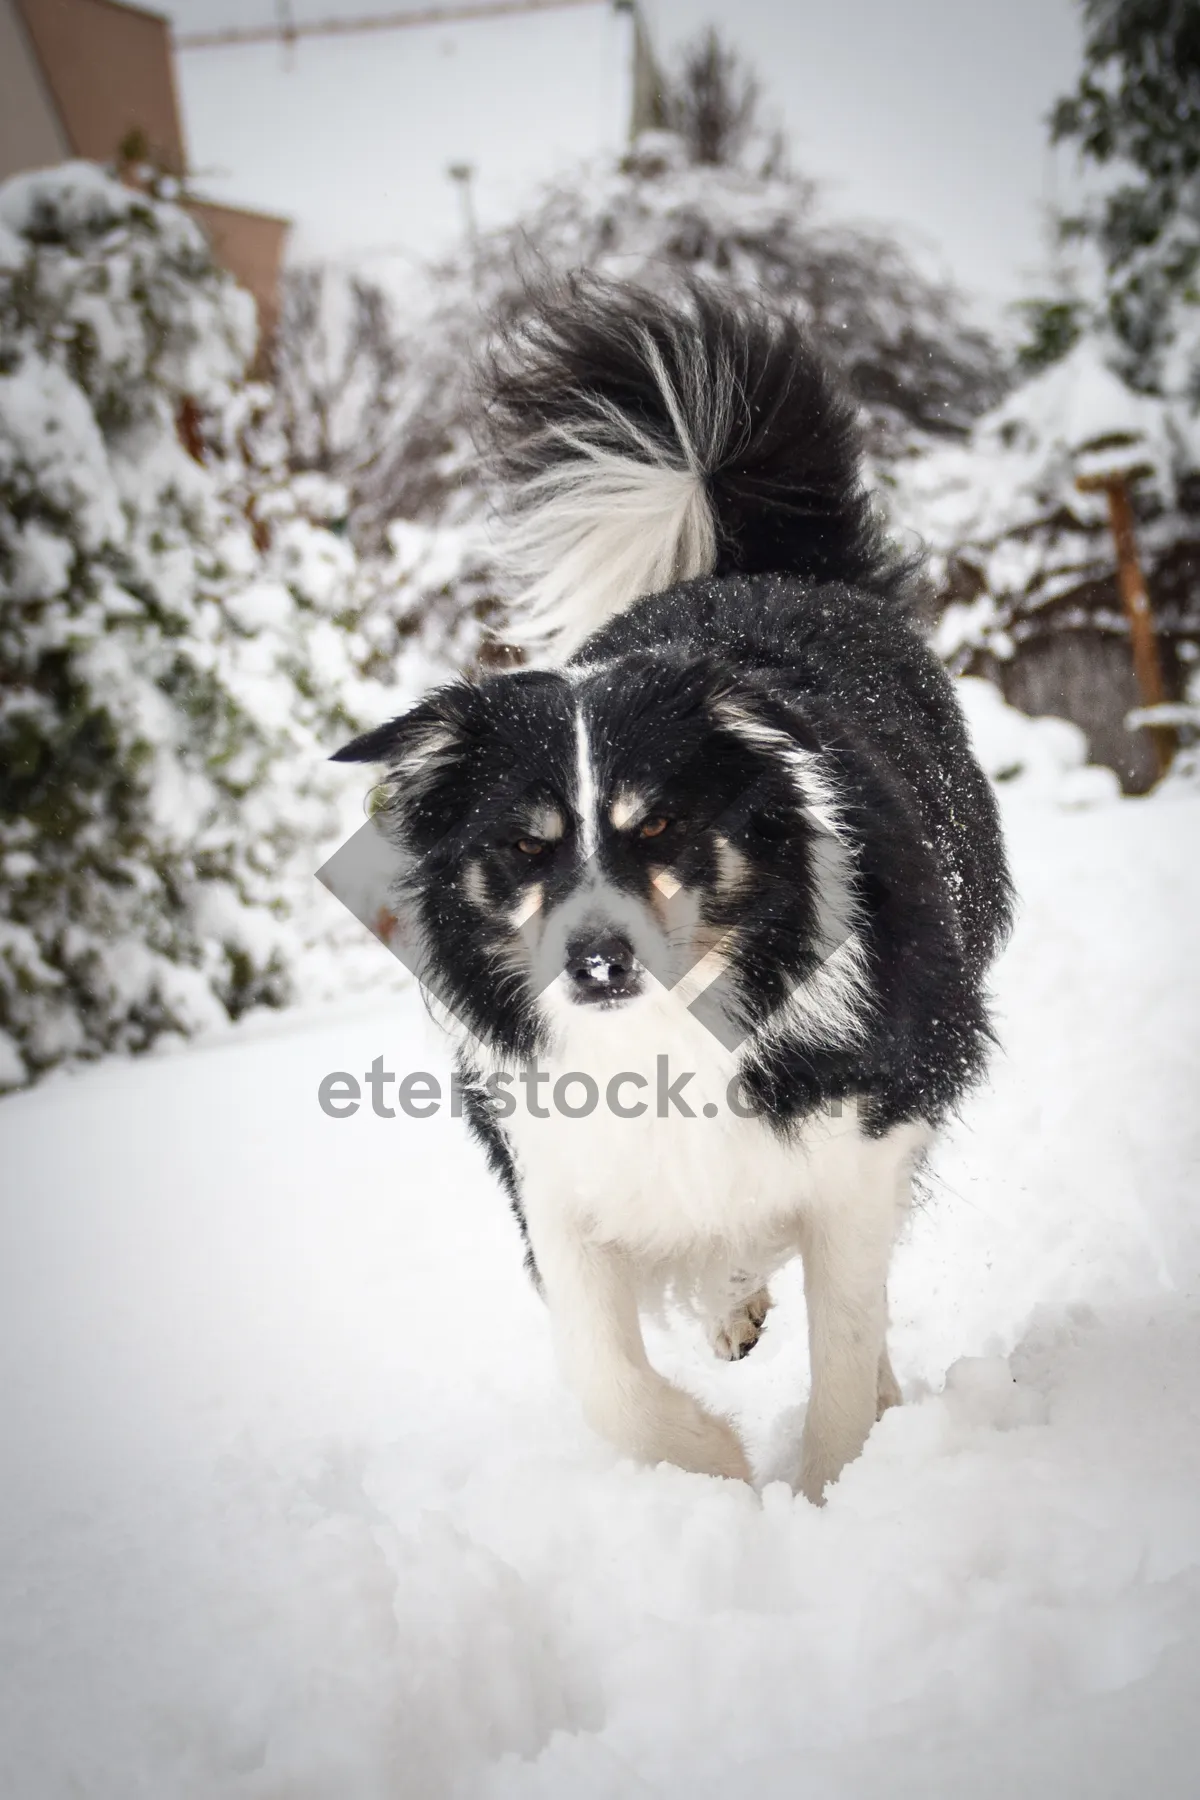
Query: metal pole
(455,14)
(462,175)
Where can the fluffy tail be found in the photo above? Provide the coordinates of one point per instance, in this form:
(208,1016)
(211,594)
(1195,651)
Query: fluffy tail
(644,441)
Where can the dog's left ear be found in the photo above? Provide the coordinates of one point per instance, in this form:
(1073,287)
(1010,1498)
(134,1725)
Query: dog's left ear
(746,706)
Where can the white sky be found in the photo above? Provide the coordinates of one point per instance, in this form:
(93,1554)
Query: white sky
(927,115)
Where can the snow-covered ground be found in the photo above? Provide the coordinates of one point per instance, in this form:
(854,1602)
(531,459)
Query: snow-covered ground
(295,1508)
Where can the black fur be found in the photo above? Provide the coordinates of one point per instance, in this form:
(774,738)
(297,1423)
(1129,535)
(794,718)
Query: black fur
(777,439)
(804,627)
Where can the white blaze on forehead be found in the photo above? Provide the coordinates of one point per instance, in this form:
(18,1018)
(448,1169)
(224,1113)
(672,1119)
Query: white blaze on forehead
(585,787)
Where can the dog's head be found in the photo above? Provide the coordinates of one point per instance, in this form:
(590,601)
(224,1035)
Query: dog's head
(584,838)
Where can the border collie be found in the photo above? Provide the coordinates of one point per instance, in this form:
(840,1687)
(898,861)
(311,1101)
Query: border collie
(707,902)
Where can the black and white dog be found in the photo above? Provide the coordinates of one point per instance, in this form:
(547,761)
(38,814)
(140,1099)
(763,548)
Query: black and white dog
(709,905)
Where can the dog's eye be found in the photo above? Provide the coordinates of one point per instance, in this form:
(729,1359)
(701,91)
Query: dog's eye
(651,828)
(531,846)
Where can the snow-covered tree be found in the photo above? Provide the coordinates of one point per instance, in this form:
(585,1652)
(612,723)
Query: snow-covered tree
(712,199)
(713,104)
(1135,112)
(180,640)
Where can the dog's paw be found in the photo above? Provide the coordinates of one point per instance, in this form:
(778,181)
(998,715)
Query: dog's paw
(735,1336)
(694,1439)
(888,1391)
(813,1480)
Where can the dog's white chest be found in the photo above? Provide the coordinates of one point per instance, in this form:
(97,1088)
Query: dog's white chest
(646,1142)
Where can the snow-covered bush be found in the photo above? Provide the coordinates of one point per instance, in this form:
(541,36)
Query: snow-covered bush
(1133,114)
(340,370)
(432,588)
(1024,562)
(178,636)
(1002,514)
(653,215)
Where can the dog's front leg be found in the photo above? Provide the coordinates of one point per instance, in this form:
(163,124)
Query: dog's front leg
(598,1337)
(847,1246)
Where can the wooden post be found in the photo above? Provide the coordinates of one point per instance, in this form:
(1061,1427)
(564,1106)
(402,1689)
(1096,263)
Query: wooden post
(1147,666)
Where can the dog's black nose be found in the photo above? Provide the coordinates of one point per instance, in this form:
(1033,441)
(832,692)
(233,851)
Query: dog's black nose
(601,966)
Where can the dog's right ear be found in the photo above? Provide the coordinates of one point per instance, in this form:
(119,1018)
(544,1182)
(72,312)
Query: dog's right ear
(418,740)
(425,752)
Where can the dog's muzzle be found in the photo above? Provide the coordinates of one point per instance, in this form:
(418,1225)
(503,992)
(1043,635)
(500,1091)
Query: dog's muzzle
(602,968)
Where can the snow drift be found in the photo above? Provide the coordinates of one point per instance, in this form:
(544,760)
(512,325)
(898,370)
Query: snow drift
(296,1505)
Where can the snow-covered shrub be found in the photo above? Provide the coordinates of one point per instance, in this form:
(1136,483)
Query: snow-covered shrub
(178,636)
(654,215)
(1183,718)
(1024,562)
(431,587)
(340,372)
(1001,511)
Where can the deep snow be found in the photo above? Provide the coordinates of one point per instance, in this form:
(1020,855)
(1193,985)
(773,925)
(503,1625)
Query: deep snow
(294,1504)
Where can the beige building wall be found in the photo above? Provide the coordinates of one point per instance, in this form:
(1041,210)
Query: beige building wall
(250,245)
(110,72)
(31,132)
(79,78)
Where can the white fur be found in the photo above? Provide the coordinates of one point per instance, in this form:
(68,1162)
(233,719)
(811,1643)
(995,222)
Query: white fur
(811,780)
(617,515)
(831,1005)
(626,808)
(621,1208)
(422,758)
(474,886)
(585,788)
(732,865)
(529,904)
